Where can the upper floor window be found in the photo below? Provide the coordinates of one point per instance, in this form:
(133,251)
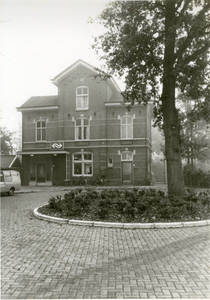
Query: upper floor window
(127,127)
(82,129)
(82,98)
(41,130)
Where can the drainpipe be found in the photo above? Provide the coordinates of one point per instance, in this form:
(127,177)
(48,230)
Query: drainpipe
(106,130)
(146,156)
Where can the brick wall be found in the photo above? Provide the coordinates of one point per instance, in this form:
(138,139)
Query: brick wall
(105,130)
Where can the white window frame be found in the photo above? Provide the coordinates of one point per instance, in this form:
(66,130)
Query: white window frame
(81,104)
(83,129)
(41,128)
(128,153)
(127,126)
(83,163)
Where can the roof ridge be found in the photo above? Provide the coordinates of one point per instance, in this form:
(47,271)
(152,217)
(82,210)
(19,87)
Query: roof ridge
(67,71)
(44,96)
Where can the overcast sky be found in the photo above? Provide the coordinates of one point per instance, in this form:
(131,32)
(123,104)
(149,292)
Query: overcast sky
(39,39)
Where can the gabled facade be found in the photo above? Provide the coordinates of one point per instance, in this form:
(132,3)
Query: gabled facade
(85,131)
(10,161)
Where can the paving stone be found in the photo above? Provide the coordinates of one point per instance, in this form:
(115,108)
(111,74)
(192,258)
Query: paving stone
(42,260)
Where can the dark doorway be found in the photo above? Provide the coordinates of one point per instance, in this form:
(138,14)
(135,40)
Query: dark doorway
(41,173)
(127,172)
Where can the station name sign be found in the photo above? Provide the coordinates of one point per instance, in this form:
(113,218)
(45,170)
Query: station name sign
(57,146)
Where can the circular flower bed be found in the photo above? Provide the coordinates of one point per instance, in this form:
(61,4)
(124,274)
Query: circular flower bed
(131,206)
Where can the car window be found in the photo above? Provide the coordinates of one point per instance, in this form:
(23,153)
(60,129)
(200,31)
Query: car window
(1,177)
(7,175)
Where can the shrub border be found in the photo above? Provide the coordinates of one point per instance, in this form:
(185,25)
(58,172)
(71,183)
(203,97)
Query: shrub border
(120,225)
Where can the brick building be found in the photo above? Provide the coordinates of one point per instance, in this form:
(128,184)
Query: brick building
(85,131)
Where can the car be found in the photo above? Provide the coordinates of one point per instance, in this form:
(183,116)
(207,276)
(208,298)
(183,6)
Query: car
(9,182)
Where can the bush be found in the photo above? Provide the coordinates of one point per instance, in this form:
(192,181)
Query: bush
(196,177)
(82,181)
(131,206)
(56,203)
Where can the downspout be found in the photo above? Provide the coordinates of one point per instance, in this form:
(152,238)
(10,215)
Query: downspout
(146,156)
(106,130)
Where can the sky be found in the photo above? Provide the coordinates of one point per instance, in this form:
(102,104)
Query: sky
(38,40)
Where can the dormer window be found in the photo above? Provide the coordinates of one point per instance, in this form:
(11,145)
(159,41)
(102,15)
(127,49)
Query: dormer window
(82,98)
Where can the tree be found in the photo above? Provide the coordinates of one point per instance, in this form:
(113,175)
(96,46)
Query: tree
(194,130)
(6,141)
(155,43)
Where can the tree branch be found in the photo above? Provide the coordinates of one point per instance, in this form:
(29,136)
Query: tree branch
(186,3)
(197,53)
(190,36)
(178,4)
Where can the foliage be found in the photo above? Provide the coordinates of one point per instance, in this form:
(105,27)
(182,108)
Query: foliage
(196,177)
(155,43)
(194,131)
(134,41)
(86,181)
(195,138)
(6,141)
(129,206)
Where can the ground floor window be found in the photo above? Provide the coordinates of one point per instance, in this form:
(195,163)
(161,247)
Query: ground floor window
(83,164)
(127,156)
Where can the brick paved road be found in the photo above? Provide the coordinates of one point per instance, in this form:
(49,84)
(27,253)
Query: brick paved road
(45,260)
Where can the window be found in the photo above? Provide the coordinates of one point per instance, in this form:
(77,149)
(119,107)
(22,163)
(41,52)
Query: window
(127,156)
(127,127)
(8,176)
(41,130)
(110,162)
(82,129)
(82,164)
(1,177)
(82,98)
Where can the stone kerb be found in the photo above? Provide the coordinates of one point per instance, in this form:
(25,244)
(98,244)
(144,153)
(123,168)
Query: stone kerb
(120,225)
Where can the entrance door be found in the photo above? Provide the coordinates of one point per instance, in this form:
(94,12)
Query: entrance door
(127,172)
(41,175)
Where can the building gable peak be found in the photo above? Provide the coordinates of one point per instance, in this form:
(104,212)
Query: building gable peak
(57,79)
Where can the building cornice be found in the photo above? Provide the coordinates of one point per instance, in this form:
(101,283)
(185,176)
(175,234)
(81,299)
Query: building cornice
(31,152)
(90,140)
(56,107)
(122,103)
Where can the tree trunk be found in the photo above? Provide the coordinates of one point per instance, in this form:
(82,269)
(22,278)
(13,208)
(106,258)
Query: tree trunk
(170,117)
(191,145)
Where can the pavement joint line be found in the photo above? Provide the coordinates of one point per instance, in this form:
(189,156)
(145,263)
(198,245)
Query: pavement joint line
(120,225)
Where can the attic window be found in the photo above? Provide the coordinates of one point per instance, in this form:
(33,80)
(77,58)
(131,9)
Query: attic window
(82,98)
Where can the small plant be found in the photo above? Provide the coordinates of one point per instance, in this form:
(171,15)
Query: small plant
(55,202)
